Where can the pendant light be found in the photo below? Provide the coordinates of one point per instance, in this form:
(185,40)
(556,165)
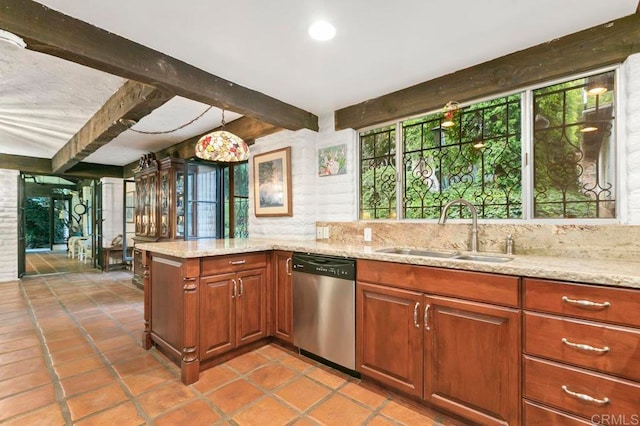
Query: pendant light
(222,146)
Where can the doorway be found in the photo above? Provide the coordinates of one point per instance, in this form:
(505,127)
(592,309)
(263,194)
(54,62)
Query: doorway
(58,229)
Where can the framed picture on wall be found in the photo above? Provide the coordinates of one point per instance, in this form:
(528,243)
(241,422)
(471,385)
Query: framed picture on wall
(272,183)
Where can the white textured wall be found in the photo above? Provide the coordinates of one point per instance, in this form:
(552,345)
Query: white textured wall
(630,161)
(302,224)
(112,209)
(8,225)
(337,195)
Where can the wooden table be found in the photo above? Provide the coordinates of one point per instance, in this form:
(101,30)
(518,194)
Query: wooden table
(115,252)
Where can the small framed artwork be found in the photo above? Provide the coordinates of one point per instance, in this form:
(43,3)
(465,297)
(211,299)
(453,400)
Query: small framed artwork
(272,183)
(332,160)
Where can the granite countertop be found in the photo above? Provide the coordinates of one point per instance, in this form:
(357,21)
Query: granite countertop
(593,271)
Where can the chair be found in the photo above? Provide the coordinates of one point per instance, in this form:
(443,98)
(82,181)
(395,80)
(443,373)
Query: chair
(85,250)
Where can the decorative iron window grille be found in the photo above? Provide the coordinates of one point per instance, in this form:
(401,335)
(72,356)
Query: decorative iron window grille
(574,152)
(477,159)
(378,173)
(480,158)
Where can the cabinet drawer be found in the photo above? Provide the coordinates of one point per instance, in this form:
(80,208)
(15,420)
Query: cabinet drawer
(477,286)
(535,415)
(544,336)
(232,263)
(614,305)
(551,383)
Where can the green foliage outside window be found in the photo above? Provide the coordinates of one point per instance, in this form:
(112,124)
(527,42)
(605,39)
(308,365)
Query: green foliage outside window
(480,159)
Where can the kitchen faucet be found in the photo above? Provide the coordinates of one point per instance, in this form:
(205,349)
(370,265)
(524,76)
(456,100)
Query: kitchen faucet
(474,220)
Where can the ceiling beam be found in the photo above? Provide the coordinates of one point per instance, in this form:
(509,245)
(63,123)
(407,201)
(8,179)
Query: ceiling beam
(42,166)
(25,164)
(132,101)
(249,129)
(582,51)
(48,31)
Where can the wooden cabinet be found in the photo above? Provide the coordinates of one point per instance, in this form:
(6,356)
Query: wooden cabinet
(159,201)
(389,345)
(233,304)
(199,308)
(159,205)
(471,359)
(282,296)
(581,352)
(418,334)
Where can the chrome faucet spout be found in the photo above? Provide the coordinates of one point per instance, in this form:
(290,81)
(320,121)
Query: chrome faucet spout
(474,220)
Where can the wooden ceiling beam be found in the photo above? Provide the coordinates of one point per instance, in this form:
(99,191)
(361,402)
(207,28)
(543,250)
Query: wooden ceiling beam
(48,31)
(132,101)
(582,51)
(42,166)
(25,164)
(245,127)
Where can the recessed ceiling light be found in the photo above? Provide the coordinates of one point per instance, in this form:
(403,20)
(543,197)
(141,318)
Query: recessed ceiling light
(322,31)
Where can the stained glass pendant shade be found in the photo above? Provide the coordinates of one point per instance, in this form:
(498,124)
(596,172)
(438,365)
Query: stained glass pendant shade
(222,146)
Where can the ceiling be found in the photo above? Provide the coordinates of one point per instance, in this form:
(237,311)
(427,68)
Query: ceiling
(380,47)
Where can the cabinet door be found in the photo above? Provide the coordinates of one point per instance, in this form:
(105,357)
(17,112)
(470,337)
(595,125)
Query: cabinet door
(389,336)
(165,199)
(283,305)
(472,353)
(217,315)
(251,306)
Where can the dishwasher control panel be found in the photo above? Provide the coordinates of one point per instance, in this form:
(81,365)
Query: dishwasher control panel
(331,266)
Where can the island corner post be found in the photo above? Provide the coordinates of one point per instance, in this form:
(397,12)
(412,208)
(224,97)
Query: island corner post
(175,335)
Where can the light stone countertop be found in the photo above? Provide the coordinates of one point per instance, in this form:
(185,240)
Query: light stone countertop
(593,271)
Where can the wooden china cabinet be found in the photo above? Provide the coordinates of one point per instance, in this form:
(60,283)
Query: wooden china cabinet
(159,205)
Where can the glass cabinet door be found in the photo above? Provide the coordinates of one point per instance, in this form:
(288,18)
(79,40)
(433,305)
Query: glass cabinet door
(179,204)
(164,204)
(152,206)
(204,204)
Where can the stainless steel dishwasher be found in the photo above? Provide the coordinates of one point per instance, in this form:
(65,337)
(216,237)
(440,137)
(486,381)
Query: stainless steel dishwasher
(324,311)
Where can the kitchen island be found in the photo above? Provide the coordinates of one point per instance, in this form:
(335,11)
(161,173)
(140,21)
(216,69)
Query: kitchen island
(209,300)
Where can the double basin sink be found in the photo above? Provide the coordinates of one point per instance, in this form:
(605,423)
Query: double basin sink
(478,257)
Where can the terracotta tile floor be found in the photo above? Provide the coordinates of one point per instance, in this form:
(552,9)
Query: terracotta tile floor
(70,355)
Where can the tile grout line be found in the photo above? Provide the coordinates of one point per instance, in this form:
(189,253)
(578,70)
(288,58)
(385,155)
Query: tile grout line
(106,363)
(58,391)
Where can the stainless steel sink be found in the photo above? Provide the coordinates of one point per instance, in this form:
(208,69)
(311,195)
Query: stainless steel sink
(483,258)
(418,252)
(477,257)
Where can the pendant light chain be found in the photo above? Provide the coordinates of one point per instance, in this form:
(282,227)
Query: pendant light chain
(179,127)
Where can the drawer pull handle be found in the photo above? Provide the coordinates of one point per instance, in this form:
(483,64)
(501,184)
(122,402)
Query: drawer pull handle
(415,315)
(241,287)
(237,262)
(585,347)
(586,303)
(234,291)
(585,397)
(288,266)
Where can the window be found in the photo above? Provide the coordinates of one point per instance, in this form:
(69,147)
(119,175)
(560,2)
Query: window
(414,167)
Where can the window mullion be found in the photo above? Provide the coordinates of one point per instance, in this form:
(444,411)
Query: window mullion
(526,105)
(399,171)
